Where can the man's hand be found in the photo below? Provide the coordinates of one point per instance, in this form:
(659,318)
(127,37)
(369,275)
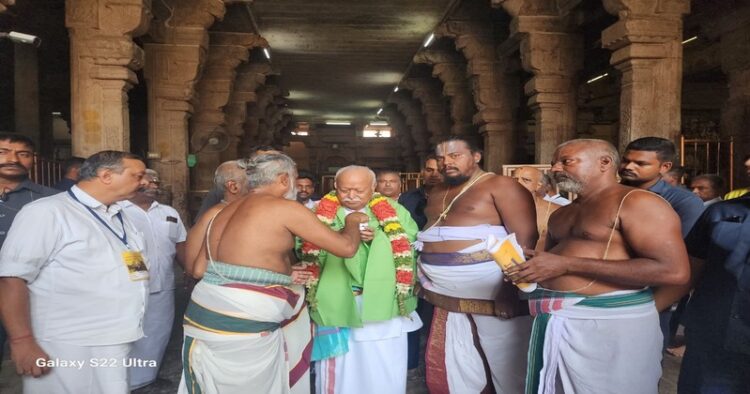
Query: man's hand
(541,266)
(355,218)
(300,275)
(366,234)
(25,354)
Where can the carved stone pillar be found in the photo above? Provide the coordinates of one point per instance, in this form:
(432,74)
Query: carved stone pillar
(414,118)
(647,49)
(103,60)
(403,134)
(495,92)
(256,125)
(249,78)
(553,52)
(428,91)
(173,64)
(450,68)
(226,52)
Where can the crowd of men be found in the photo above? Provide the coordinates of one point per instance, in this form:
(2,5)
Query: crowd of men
(345,284)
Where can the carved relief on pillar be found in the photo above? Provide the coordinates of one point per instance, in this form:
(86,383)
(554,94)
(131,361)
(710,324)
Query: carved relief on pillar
(174,61)
(495,90)
(414,118)
(450,68)
(249,78)
(226,52)
(647,48)
(428,91)
(405,139)
(104,59)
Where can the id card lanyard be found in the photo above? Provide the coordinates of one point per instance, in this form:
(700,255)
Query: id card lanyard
(123,238)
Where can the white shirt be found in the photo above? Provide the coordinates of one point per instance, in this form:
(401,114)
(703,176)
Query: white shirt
(162,229)
(557,199)
(80,292)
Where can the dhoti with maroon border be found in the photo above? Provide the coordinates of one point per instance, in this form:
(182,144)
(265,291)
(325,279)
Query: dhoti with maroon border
(469,349)
(246,330)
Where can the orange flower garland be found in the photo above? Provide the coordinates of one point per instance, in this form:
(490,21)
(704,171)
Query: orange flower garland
(387,217)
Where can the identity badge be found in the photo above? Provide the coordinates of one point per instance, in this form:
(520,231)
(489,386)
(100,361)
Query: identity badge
(133,261)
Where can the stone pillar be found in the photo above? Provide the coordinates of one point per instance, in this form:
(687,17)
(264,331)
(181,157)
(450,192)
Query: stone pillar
(552,51)
(225,53)
(249,78)
(255,123)
(647,49)
(450,68)
(495,92)
(173,64)
(403,134)
(428,91)
(735,114)
(414,118)
(103,60)
(26,93)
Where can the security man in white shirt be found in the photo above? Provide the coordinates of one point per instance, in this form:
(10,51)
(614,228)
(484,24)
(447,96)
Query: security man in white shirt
(165,236)
(74,282)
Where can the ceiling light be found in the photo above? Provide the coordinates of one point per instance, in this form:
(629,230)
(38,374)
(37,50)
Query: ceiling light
(693,38)
(429,40)
(597,78)
(338,123)
(267,53)
(379,123)
(380,110)
(395,89)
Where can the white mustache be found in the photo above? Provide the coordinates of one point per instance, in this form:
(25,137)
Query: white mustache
(346,199)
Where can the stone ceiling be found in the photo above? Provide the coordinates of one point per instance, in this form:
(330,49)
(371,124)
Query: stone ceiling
(339,59)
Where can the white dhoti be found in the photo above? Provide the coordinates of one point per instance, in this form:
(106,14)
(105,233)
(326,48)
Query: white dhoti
(609,343)
(242,337)
(157,328)
(466,352)
(454,362)
(376,360)
(82,370)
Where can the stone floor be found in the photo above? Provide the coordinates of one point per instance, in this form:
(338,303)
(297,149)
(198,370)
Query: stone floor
(169,376)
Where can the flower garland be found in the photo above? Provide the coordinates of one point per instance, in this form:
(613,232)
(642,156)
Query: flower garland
(400,246)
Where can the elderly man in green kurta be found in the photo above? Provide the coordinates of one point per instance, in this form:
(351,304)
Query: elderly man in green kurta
(363,306)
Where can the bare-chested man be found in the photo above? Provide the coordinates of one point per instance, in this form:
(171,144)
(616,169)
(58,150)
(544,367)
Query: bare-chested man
(596,328)
(536,182)
(246,327)
(461,279)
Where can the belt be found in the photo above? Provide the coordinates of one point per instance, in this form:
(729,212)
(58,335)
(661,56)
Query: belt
(459,305)
(455,258)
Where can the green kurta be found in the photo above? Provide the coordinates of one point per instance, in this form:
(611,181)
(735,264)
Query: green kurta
(372,269)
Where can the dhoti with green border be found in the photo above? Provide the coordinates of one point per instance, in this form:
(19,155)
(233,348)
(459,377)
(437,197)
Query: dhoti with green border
(246,330)
(609,343)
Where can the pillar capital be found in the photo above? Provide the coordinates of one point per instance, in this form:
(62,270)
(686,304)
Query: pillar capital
(103,60)
(413,116)
(429,92)
(647,49)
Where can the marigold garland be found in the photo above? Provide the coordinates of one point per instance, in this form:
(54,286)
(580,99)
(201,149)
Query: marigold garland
(387,217)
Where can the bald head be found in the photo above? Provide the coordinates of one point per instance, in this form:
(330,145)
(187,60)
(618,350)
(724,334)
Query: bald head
(355,186)
(231,171)
(530,178)
(595,148)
